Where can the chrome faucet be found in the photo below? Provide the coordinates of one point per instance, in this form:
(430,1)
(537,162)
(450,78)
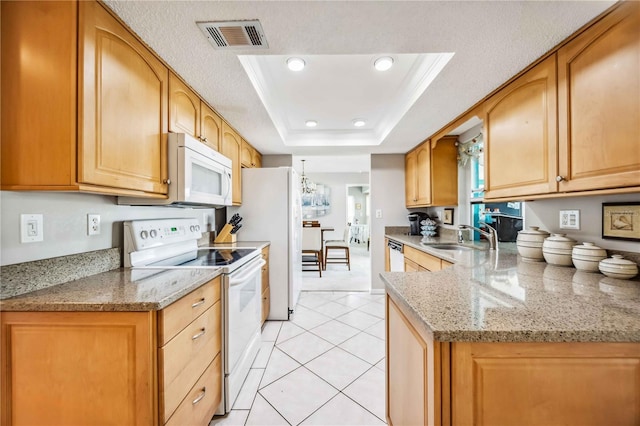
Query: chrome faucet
(492,234)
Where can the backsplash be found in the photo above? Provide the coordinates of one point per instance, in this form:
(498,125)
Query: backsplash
(31,276)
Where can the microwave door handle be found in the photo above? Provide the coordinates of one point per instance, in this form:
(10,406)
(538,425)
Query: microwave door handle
(229,183)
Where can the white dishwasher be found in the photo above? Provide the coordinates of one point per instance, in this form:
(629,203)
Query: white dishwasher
(396,256)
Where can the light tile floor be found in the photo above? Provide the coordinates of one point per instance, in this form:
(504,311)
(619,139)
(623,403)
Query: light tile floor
(323,367)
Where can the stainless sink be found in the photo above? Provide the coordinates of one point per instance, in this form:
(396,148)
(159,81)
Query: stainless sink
(443,246)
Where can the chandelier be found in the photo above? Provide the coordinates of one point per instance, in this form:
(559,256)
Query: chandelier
(308,187)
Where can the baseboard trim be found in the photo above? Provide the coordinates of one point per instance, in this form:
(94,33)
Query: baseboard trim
(376,291)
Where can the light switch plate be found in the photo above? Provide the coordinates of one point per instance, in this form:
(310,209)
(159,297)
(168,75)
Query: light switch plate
(569,219)
(31,228)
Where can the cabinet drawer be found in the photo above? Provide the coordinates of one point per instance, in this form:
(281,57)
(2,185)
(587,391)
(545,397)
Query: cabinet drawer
(202,400)
(423,259)
(178,315)
(184,358)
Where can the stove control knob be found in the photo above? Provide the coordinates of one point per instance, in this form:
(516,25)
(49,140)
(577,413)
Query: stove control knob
(197,228)
(144,235)
(192,228)
(153,233)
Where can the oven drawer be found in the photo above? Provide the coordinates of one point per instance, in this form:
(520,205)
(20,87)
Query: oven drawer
(178,315)
(200,403)
(185,357)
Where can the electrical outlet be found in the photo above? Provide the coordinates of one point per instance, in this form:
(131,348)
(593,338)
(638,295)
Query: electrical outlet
(569,219)
(93,224)
(378,213)
(31,228)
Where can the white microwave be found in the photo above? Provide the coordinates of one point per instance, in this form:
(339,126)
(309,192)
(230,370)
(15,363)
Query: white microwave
(198,175)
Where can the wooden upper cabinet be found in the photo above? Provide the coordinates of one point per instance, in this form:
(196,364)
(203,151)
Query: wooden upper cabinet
(122,109)
(210,127)
(231,147)
(38,95)
(250,156)
(520,135)
(444,171)
(431,174)
(599,104)
(189,114)
(418,176)
(184,108)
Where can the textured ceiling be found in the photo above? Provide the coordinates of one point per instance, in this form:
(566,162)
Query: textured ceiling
(492,41)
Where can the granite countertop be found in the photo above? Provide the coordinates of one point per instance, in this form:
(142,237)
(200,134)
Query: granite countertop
(122,289)
(490,296)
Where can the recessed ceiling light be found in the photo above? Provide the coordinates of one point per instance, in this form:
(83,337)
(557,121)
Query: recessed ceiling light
(311,123)
(295,64)
(384,63)
(359,122)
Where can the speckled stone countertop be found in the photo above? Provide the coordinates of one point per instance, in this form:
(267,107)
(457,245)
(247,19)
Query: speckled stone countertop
(490,296)
(123,289)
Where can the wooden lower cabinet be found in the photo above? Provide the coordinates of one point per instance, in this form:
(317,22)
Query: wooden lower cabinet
(120,368)
(78,368)
(266,291)
(466,383)
(424,261)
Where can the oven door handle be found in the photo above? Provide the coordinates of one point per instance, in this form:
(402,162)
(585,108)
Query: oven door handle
(245,275)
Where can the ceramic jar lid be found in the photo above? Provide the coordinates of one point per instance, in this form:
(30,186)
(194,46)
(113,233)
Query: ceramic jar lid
(589,251)
(559,241)
(531,237)
(533,230)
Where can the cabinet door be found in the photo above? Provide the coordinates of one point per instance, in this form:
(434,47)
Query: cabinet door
(410,183)
(38,94)
(210,127)
(231,147)
(411,266)
(184,108)
(521,142)
(406,371)
(599,104)
(444,172)
(256,158)
(78,368)
(423,174)
(122,107)
(545,384)
(247,154)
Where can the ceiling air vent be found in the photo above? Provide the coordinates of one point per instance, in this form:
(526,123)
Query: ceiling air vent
(234,34)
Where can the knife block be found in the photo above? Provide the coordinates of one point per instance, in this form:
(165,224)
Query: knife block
(225,235)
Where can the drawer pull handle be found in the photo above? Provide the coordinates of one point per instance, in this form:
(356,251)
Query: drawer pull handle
(199,335)
(199,398)
(198,303)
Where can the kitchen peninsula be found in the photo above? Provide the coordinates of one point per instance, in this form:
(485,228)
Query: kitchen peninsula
(495,340)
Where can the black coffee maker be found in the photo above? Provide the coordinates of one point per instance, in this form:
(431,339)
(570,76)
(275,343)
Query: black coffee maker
(414,222)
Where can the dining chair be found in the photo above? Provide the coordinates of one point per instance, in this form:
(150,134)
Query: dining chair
(342,246)
(312,249)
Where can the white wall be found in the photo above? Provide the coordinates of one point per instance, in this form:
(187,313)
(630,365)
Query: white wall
(283,160)
(337,182)
(359,215)
(65,223)
(387,195)
(546,215)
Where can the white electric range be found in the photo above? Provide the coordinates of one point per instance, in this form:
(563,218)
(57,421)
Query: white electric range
(160,244)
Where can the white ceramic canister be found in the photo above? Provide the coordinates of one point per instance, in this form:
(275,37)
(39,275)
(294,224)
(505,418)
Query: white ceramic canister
(587,256)
(557,248)
(618,267)
(529,243)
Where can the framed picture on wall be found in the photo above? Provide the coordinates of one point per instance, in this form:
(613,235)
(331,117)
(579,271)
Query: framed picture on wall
(447,217)
(621,221)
